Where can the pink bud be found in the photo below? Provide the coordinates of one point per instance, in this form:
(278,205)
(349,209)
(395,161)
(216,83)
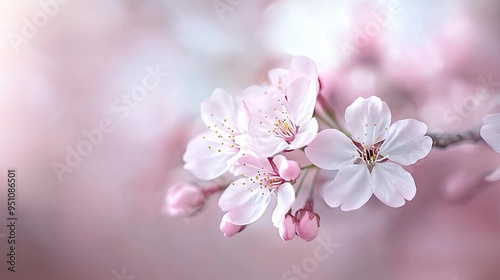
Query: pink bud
(229,229)
(184,199)
(287,227)
(307,224)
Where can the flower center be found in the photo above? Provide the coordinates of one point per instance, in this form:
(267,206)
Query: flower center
(285,129)
(370,154)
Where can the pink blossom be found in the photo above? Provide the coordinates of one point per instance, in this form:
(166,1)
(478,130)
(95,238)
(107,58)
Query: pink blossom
(287,227)
(281,112)
(229,229)
(184,199)
(307,224)
(213,152)
(247,198)
(369,161)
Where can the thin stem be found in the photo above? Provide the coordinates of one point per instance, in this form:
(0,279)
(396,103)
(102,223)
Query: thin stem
(313,183)
(302,181)
(308,166)
(443,140)
(329,112)
(324,120)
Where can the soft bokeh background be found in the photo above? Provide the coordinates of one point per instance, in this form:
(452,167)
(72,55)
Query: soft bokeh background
(437,61)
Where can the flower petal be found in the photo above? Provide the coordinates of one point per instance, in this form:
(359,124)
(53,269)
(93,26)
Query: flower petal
(368,120)
(392,184)
(406,143)
(250,166)
(490,131)
(331,150)
(278,77)
(238,194)
(351,188)
(305,135)
(301,100)
(220,112)
(289,170)
(207,156)
(286,197)
(303,67)
(252,211)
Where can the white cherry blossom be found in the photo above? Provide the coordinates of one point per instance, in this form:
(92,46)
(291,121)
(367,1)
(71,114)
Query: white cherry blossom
(369,161)
(281,112)
(247,198)
(213,152)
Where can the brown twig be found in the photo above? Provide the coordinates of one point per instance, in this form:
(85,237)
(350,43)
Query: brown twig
(443,140)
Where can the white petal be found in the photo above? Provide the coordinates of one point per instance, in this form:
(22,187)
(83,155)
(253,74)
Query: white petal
(493,176)
(351,188)
(278,77)
(238,194)
(250,166)
(406,143)
(331,150)
(490,131)
(301,98)
(220,112)
(305,135)
(368,120)
(286,197)
(208,156)
(252,211)
(303,67)
(392,184)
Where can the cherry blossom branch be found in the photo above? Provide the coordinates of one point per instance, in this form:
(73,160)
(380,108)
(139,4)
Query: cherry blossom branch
(443,140)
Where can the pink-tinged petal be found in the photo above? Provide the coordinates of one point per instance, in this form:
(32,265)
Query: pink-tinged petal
(252,211)
(493,176)
(303,67)
(490,131)
(406,143)
(368,120)
(331,150)
(267,146)
(351,188)
(229,229)
(184,199)
(238,194)
(278,77)
(287,227)
(289,170)
(392,184)
(286,197)
(307,224)
(220,112)
(301,98)
(305,135)
(207,156)
(250,166)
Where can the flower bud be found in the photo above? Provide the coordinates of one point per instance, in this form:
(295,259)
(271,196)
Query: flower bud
(184,199)
(229,229)
(307,224)
(287,227)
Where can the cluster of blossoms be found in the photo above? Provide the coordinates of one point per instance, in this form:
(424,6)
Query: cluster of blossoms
(250,137)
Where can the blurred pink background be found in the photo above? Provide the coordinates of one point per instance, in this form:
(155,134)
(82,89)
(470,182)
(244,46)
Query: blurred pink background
(69,65)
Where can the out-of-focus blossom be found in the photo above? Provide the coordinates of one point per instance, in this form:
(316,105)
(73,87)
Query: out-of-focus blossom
(247,198)
(229,229)
(281,112)
(287,227)
(213,152)
(184,199)
(367,162)
(307,224)
(490,131)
